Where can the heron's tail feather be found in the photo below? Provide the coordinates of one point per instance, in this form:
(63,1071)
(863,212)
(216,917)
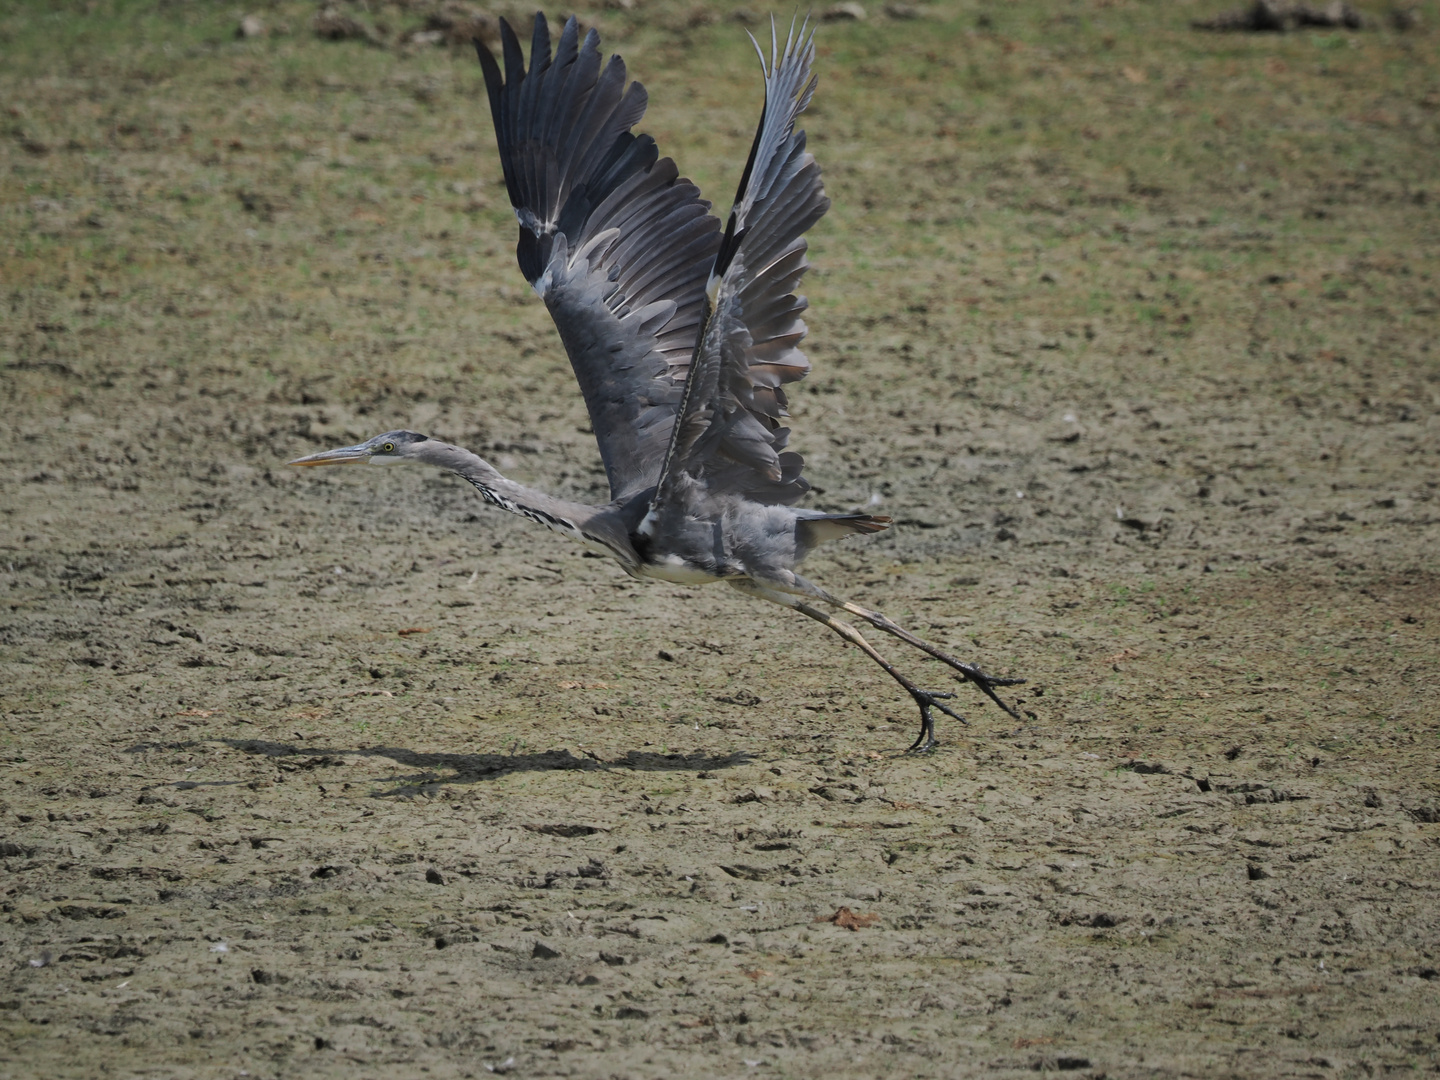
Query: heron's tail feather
(823,527)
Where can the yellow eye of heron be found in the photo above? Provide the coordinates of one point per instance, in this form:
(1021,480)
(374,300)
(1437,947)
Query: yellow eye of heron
(388,448)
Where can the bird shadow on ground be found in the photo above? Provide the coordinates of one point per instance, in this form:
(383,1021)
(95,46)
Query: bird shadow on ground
(442,770)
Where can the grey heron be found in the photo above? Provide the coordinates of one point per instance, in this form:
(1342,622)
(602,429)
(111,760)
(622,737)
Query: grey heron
(682,336)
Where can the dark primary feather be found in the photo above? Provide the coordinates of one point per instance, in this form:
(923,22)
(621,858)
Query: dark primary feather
(614,240)
(730,419)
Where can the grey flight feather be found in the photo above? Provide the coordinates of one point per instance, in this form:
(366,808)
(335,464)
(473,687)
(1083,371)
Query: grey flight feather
(730,430)
(617,244)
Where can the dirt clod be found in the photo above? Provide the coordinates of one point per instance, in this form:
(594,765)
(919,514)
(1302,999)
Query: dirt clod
(850,920)
(1279,16)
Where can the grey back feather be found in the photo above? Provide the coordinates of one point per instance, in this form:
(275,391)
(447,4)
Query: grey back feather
(617,244)
(730,430)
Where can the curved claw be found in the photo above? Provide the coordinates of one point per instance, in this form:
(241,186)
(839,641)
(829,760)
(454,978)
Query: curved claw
(922,745)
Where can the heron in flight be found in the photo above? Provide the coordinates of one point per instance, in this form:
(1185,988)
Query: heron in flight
(682,335)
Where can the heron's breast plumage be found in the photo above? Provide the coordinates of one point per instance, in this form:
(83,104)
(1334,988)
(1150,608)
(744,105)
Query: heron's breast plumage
(679,571)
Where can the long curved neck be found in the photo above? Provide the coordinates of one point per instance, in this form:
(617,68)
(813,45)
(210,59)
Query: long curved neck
(591,525)
(472,467)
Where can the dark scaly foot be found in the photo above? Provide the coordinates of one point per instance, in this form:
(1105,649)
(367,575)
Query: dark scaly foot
(927,700)
(985,683)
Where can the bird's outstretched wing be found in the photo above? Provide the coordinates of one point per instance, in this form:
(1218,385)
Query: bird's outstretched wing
(729,429)
(617,244)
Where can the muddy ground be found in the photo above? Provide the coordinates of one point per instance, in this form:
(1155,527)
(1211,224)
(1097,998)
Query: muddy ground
(348,775)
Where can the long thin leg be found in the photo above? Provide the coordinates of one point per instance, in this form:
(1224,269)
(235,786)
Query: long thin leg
(986,683)
(926,699)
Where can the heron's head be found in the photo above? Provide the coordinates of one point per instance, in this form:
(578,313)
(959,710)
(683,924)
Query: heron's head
(382,449)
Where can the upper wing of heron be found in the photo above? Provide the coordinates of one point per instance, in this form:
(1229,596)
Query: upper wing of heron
(614,241)
(729,430)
